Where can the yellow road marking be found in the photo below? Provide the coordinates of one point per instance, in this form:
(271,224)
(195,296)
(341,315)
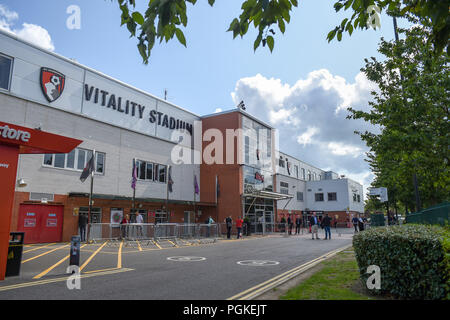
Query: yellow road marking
(282,277)
(43,254)
(101,270)
(37,248)
(156,244)
(47,281)
(119,256)
(139,245)
(172,243)
(92,256)
(43,273)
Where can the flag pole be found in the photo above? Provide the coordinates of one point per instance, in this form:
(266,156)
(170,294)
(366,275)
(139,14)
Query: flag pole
(195,199)
(92,188)
(167,194)
(134,189)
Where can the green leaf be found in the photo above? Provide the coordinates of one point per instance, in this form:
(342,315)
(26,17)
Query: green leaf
(138,18)
(270,42)
(180,36)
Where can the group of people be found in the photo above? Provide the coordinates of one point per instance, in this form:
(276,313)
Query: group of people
(324,223)
(229,224)
(358,223)
(290,224)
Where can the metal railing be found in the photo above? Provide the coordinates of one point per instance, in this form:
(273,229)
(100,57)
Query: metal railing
(150,231)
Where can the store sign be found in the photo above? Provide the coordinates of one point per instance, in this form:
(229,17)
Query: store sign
(13,134)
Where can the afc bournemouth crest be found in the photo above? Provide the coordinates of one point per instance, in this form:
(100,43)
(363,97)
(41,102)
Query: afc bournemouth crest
(52,83)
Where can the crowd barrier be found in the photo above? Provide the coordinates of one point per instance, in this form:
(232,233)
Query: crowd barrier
(150,231)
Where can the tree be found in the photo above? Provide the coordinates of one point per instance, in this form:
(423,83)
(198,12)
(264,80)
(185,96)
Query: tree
(412,111)
(163,19)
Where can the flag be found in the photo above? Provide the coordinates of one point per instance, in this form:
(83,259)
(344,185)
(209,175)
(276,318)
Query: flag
(88,169)
(134,175)
(170,181)
(197,190)
(217,187)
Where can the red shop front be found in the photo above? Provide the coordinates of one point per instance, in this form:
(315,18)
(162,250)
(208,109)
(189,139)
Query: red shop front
(15,140)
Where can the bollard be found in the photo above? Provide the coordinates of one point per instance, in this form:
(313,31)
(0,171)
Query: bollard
(75,251)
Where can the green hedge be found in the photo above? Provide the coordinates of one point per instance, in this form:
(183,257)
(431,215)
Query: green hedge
(414,260)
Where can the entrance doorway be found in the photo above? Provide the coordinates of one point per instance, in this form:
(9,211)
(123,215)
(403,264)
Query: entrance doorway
(41,223)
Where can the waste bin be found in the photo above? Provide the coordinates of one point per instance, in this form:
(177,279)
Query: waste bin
(75,251)
(15,249)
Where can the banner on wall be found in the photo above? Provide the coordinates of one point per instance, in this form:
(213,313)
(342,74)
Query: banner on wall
(116,216)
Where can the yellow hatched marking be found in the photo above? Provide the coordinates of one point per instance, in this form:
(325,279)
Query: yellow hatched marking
(92,256)
(45,253)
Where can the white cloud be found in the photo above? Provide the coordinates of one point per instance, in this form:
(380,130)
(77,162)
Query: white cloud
(29,32)
(218,110)
(311,118)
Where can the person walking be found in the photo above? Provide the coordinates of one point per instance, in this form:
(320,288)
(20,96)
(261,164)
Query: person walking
(298,224)
(123,226)
(361,223)
(289,222)
(229,224)
(82,222)
(326,224)
(239,222)
(314,223)
(139,222)
(355,223)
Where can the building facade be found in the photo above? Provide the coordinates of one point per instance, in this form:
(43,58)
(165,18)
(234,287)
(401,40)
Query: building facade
(128,128)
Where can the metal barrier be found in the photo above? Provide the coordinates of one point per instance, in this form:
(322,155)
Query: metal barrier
(149,231)
(438,214)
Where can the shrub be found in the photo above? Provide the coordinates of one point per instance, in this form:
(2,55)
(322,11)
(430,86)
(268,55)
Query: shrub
(414,260)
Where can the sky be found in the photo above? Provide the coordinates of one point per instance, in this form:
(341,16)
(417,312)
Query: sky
(302,88)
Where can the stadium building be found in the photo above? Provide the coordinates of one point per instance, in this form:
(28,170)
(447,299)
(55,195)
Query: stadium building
(135,133)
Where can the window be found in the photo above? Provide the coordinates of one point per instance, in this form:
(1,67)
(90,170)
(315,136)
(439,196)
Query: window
(5,71)
(359,198)
(75,160)
(296,171)
(149,171)
(332,196)
(303,174)
(354,197)
(247,150)
(309,175)
(299,196)
(281,162)
(318,196)
(284,188)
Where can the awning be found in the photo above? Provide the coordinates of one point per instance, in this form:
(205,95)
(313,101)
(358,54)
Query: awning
(268,195)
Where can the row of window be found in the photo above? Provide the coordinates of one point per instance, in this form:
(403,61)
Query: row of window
(332,196)
(78,158)
(149,171)
(75,160)
(312,176)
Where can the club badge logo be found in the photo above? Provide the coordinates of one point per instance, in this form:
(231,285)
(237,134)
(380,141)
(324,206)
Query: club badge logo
(52,84)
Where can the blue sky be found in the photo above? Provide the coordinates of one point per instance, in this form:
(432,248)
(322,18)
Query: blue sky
(215,71)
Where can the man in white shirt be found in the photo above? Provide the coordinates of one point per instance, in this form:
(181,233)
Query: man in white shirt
(139,222)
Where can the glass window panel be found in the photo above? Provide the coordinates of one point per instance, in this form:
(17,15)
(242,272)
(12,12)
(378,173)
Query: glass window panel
(81,159)
(48,158)
(100,162)
(149,171)
(60,159)
(142,169)
(71,159)
(5,72)
(162,173)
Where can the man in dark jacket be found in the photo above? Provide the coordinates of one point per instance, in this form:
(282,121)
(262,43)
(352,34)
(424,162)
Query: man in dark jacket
(314,222)
(82,222)
(326,224)
(298,224)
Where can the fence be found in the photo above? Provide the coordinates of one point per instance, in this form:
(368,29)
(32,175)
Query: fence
(438,214)
(150,231)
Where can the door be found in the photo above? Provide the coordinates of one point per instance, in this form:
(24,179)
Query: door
(41,223)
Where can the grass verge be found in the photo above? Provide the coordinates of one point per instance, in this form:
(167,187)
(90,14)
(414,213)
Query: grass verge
(338,279)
